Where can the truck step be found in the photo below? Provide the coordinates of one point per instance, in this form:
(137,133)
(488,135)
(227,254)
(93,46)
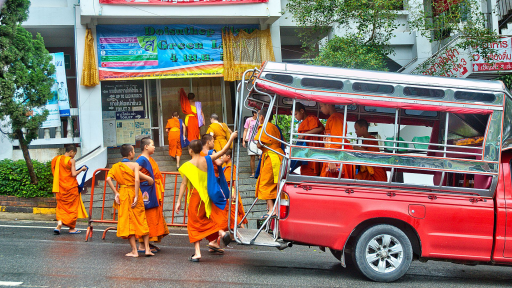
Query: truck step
(264,239)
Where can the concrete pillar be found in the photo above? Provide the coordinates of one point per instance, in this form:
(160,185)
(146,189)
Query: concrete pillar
(275,31)
(89,98)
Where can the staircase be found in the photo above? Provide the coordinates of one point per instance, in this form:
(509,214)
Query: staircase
(167,164)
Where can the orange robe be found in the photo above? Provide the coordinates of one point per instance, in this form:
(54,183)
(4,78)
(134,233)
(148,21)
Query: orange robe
(368,172)
(266,185)
(155,216)
(69,202)
(199,224)
(311,122)
(241,211)
(191,120)
(173,125)
(220,135)
(131,221)
(334,127)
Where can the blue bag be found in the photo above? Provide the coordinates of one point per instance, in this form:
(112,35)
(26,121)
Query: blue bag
(184,141)
(148,191)
(218,190)
(81,185)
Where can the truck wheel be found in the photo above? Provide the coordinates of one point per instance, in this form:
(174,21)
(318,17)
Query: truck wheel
(383,253)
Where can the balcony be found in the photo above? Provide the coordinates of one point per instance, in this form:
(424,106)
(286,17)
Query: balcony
(504,11)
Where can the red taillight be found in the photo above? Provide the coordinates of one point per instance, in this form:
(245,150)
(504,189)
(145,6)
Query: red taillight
(284,208)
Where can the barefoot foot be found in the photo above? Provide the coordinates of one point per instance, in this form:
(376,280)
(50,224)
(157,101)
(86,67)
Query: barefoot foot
(148,253)
(132,254)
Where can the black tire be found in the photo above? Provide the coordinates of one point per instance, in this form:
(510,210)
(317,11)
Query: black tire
(390,249)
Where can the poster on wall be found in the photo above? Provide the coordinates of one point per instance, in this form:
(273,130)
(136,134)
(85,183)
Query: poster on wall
(58,106)
(161,51)
(178,2)
(123,100)
(142,128)
(109,133)
(125,132)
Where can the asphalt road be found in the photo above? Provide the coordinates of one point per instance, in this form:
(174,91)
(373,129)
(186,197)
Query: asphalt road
(31,256)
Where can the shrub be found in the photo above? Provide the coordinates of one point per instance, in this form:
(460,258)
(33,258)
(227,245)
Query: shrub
(15,180)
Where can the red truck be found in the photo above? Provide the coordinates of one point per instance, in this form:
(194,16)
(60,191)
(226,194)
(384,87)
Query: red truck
(448,196)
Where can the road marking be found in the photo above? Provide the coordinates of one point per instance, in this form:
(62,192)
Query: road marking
(7,283)
(46,227)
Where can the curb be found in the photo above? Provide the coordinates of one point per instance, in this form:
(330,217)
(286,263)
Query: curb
(33,210)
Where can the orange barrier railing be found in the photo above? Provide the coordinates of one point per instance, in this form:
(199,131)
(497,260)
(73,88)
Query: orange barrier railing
(113,220)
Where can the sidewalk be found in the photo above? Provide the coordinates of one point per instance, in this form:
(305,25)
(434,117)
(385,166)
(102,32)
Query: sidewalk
(12,216)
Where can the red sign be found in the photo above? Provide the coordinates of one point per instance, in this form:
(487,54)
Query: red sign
(439,6)
(179,2)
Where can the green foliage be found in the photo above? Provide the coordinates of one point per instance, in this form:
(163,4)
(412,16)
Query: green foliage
(284,122)
(507,80)
(15,179)
(371,23)
(349,52)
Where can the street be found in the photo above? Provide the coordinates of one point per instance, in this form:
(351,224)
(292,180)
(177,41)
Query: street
(31,256)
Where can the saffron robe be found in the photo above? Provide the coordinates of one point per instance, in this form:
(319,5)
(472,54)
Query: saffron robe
(220,135)
(266,185)
(368,172)
(334,127)
(199,224)
(130,221)
(311,122)
(69,201)
(241,211)
(220,216)
(174,127)
(191,120)
(155,216)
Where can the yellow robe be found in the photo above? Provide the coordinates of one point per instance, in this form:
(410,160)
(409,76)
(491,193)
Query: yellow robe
(266,185)
(131,221)
(220,135)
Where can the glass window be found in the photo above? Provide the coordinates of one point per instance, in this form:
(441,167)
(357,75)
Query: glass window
(421,113)
(349,107)
(423,92)
(372,87)
(475,96)
(379,109)
(321,83)
(285,79)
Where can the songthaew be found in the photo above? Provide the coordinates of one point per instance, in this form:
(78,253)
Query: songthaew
(411,166)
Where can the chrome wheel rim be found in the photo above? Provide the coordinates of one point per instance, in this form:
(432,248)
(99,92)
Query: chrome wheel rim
(384,253)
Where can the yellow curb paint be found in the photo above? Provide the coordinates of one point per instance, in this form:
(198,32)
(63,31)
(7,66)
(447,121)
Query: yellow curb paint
(43,210)
(2,208)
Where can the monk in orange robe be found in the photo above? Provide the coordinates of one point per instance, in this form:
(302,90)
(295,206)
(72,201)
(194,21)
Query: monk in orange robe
(228,164)
(310,125)
(266,185)
(367,172)
(334,127)
(155,216)
(69,202)
(131,223)
(191,120)
(219,131)
(173,130)
(194,174)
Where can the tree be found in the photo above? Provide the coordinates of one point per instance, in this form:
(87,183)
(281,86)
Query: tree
(25,77)
(370,24)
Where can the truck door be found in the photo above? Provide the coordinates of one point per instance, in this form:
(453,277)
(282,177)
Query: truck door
(506,195)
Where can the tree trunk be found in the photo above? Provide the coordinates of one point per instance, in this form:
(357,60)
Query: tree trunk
(26,155)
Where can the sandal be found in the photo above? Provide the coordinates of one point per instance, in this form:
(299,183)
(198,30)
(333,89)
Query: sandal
(193,259)
(56,231)
(76,232)
(214,249)
(154,247)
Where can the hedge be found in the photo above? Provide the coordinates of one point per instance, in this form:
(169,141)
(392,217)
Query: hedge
(15,180)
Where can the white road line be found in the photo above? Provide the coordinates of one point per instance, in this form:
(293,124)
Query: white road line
(45,227)
(7,283)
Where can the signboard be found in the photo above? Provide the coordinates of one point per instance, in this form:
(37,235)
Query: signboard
(109,133)
(459,62)
(500,60)
(161,51)
(177,2)
(142,128)
(58,106)
(123,99)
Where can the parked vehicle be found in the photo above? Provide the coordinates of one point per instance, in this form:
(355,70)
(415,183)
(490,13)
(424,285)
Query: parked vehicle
(447,199)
